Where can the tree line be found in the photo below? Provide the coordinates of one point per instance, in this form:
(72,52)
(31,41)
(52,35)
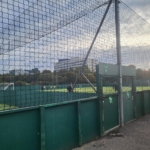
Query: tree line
(47,77)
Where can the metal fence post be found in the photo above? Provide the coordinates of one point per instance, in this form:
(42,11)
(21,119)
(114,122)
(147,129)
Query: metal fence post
(99,82)
(42,127)
(134,95)
(118,47)
(143,102)
(79,123)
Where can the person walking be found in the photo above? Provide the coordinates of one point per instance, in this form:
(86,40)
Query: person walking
(70,88)
(43,87)
(115,86)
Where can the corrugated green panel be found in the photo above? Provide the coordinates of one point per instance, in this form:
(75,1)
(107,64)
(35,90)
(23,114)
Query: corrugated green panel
(128,108)
(111,116)
(61,127)
(139,104)
(89,120)
(146,102)
(20,131)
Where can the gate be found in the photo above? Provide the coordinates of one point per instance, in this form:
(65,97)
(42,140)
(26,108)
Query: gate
(129,93)
(107,90)
(111,114)
(128,106)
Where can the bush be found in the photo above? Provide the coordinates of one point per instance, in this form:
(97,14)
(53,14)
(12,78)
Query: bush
(19,83)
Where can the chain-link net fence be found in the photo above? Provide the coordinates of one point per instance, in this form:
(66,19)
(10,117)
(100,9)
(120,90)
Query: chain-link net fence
(44,44)
(110,85)
(135,45)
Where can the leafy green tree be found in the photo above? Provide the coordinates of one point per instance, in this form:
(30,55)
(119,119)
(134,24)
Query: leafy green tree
(45,77)
(132,66)
(19,83)
(71,76)
(91,78)
(139,73)
(46,72)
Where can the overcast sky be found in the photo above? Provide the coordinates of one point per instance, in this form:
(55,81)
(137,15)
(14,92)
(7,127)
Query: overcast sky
(59,34)
(141,7)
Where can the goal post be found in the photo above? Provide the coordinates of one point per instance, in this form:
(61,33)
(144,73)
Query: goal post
(5,86)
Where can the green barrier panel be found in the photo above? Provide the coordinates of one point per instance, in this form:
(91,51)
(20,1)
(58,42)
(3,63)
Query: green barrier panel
(111,116)
(146,102)
(61,127)
(64,126)
(20,131)
(89,120)
(128,108)
(139,104)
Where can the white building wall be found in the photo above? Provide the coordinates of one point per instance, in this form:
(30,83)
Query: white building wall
(74,63)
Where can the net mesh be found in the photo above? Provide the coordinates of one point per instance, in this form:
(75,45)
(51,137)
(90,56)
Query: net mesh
(135,46)
(43,44)
(5,86)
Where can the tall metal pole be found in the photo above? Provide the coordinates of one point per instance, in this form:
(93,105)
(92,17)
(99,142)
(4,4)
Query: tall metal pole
(9,75)
(119,61)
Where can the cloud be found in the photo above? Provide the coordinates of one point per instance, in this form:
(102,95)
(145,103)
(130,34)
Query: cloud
(141,7)
(74,40)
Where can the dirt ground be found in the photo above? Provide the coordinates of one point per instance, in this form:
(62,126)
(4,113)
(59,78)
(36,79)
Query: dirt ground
(133,136)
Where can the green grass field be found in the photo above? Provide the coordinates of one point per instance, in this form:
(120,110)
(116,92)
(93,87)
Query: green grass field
(60,94)
(5,106)
(106,90)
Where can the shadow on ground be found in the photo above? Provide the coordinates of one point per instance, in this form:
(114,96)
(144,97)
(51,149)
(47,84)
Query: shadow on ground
(133,136)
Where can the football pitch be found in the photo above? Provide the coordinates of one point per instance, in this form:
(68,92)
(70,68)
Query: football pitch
(35,97)
(5,106)
(106,90)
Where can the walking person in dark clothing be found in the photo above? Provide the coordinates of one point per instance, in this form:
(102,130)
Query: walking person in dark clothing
(115,86)
(42,88)
(70,88)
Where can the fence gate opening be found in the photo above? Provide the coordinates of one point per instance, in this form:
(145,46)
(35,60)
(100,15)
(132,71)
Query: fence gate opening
(107,76)
(128,84)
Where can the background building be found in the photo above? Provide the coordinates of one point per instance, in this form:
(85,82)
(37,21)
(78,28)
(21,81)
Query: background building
(74,63)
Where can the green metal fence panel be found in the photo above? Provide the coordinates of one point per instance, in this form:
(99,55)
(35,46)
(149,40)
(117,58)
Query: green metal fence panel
(146,102)
(66,125)
(20,131)
(139,104)
(89,120)
(128,108)
(61,127)
(111,114)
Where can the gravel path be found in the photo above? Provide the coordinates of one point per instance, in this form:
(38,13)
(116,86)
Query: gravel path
(133,136)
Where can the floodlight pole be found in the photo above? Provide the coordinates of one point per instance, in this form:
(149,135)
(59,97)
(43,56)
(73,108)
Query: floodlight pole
(91,46)
(118,47)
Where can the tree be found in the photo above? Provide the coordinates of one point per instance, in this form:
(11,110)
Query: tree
(139,73)
(35,71)
(46,72)
(6,78)
(71,76)
(62,72)
(19,83)
(45,77)
(132,66)
(91,78)
(28,78)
